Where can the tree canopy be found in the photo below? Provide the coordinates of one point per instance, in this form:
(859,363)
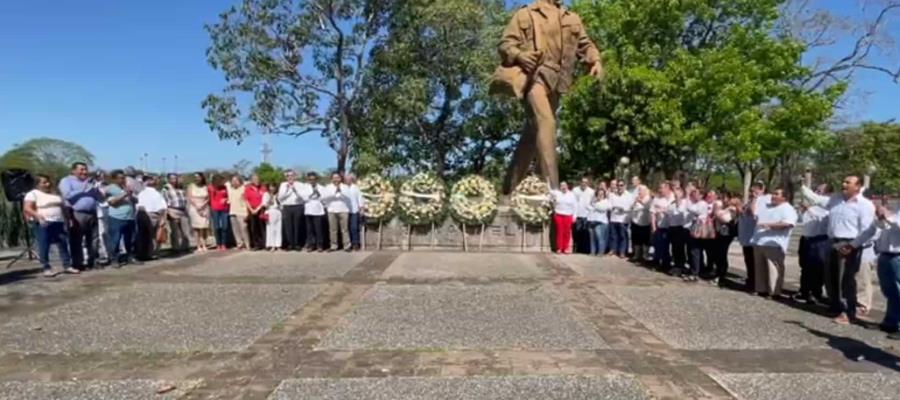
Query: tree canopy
(47,156)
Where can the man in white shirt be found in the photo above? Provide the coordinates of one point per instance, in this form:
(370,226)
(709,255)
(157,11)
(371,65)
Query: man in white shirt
(621,202)
(887,230)
(293,224)
(747,228)
(849,214)
(659,225)
(564,206)
(774,224)
(337,202)
(356,204)
(814,249)
(585,196)
(151,216)
(314,211)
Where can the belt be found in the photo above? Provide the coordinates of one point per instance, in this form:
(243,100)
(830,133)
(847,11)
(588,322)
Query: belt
(86,212)
(819,237)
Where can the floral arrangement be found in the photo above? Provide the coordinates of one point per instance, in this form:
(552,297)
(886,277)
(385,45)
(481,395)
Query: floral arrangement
(473,200)
(531,201)
(380,198)
(422,199)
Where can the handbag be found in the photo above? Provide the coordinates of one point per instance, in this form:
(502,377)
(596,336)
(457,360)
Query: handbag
(162,234)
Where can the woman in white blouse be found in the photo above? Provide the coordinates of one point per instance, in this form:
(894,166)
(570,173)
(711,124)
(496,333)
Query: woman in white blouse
(564,204)
(598,221)
(640,224)
(273,218)
(45,209)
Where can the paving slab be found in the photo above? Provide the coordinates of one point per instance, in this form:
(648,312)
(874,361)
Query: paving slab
(463,265)
(158,318)
(474,388)
(704,317)
(94,390)
(605,267)
(279,264)
(812,386)
(500,316)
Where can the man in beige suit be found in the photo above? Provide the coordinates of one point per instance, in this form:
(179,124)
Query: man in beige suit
(543,40)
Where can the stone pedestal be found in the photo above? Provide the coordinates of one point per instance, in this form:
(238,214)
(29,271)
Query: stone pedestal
(505,233)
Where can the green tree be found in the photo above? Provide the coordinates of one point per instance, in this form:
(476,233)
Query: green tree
(298,64)
(48,156)
(269,174)
(868,147)
(429,76)
(692,85)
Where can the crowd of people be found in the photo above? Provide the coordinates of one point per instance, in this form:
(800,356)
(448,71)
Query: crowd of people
(687,231)
(132,215)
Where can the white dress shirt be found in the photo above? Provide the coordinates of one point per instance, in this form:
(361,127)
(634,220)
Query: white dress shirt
(621,207)
(600,211)
(698,211)
(290,195)
(747,222)
(770,214)
(337,198)
(312,199)
(640,212)
(564,203)
(887,232)
(356,199)
(847,218)
(815,221)
(151,200)
(585,198)
(659,207)
(678,214)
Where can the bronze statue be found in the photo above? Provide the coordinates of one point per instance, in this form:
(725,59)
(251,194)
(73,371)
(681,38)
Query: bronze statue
(539,48)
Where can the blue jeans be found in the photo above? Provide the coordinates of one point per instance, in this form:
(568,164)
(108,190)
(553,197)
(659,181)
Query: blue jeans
(120,230)
(661,255)
(53,232)
(354,229)
(220,227)
(618,238)
(889,279)
(598,232)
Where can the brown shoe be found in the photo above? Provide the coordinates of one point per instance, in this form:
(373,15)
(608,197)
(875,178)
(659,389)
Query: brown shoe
(841,319)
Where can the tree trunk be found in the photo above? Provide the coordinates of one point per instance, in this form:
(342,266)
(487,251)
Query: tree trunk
(747,175)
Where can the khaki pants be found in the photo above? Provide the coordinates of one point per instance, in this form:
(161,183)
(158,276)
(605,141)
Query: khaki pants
(769,269)
(538,139)
(179,229)
(339,221)
(239,230)
(865,290)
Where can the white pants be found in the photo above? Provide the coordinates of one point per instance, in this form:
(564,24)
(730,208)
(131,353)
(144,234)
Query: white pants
(273,228)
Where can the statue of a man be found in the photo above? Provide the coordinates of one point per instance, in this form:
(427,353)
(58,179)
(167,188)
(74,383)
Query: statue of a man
(539,49)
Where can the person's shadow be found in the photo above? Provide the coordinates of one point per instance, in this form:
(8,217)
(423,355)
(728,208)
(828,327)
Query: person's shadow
(853,349)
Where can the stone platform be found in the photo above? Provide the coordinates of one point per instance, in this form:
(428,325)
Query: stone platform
(420,325)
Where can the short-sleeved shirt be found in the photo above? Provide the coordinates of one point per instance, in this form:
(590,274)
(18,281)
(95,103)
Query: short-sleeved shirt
(123,211)
(769,214)
(48,205)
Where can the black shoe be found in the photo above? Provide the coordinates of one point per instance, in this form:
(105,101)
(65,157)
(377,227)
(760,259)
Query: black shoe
(801,298)
(894,336)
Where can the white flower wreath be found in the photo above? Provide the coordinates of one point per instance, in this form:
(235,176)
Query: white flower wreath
(473,200)
(531,201)
(422,199)
(379,196)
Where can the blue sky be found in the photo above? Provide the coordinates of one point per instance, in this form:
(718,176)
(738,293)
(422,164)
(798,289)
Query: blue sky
(124,78)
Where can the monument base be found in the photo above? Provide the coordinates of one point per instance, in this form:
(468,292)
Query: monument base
(504,234)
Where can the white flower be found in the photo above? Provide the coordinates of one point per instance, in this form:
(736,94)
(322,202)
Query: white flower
(422,199)
(473,200)
(380,197)
(530,210)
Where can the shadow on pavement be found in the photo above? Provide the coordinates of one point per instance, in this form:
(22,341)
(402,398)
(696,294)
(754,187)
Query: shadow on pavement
(853,349)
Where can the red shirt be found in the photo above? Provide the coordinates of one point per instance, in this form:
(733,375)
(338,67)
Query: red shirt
(254,195)
(218,198)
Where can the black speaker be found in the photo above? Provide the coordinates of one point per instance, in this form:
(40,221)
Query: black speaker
(16,184)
